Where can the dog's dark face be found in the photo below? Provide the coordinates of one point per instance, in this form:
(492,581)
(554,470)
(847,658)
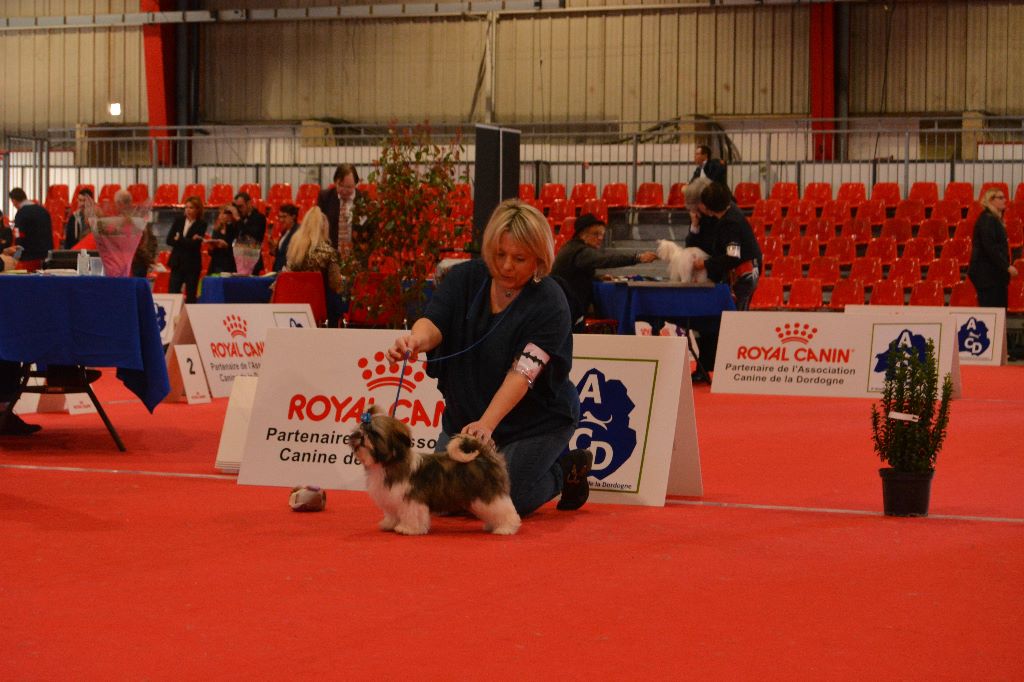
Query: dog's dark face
(382,440)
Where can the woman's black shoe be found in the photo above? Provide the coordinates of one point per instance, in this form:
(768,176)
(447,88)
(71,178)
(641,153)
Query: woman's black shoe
(575,488)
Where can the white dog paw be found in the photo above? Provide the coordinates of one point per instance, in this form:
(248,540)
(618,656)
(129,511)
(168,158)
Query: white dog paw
(388,523)
(503,530)
(410,530)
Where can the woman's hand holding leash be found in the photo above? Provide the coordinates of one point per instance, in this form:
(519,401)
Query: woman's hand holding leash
(403,346)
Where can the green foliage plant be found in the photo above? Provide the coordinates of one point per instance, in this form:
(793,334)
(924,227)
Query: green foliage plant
(909,424)
(405,226)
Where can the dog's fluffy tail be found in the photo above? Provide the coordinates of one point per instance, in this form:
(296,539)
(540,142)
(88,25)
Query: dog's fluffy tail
(464,448)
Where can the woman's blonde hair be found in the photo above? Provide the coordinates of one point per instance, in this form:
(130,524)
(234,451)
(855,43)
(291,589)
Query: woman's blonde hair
(526,226)
(311,232)
(986,200)
(691,194)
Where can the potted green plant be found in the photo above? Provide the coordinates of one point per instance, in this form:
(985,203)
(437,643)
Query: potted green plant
(908,427)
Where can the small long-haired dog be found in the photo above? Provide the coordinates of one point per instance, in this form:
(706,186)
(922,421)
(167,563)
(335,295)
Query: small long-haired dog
(407,486)
(680,262)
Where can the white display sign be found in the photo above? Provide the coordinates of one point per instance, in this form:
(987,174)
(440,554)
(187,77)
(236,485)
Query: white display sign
(193,378)
(825,354)
(631,415)
(980,332)
(231,337)
(168,307)
(236,423)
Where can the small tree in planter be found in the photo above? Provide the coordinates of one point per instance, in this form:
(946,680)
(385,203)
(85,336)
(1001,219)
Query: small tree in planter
(406,227)
(908,427)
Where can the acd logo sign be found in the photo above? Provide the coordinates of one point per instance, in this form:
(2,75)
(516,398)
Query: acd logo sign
(604,423)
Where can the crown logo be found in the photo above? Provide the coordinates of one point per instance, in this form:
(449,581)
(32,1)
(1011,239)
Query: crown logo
(386,373)
(236,326)
(799,333)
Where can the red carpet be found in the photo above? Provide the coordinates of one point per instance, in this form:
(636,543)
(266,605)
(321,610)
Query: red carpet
(133,576)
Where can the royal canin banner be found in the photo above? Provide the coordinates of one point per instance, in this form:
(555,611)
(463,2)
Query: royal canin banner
(636,411)
(825,354)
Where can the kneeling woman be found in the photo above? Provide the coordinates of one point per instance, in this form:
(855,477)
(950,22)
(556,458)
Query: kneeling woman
(498,340)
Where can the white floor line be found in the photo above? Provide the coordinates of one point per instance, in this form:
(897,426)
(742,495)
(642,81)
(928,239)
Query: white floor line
(823,510)
(693,503)
(168,474)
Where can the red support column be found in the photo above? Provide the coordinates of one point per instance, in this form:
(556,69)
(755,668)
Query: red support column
(159,51)
(822,76)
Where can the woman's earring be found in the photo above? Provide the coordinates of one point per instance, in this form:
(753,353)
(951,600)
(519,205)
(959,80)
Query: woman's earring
(536,278)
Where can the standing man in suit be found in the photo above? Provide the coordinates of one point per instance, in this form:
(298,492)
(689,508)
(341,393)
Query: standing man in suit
(712,169)
(252,224)
(338,202)
(34,229)
(76,228)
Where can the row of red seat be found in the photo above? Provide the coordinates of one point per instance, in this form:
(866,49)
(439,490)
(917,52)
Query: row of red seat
(808,294)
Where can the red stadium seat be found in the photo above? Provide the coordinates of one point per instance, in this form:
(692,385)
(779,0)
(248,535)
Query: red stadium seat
(847,292)
(853,193)
(887,292)
(788,231)
(838,211)
(958,249)
(785,193)
(107,193)
(557,212)
(884,248)
(856,229)
(550,191)
(649,195)
(906,271)
(818,193)
(747,194)
(948,212)
(842,249)
(596,207)
(804,211)
(767,295)
(139,192)
(1018,196)
(771,249)
(303,287)
(787,269)
(986,186)
(899,229)
(306,196)
(805,248)
(925,192)
(368,189)
(1015,231)
(1016,296)
(822,229)
(196,189)
(582,192)
(921,248)
(59,193)
(221,194)
(280,193)
(964,229)
(527,191)
(166,196)
(768,210)
(886,192)
(253,190)
(805,294)
(964,295)
(927,293)
(616,195)
(945,271)
(911,210)
(676,197)
(824,269)
(757,225)
(935,230)
(872,211)
(962,193)
(866,270)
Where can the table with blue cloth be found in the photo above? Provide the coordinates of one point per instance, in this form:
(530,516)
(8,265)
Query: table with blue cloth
(236,289)
(87,322)
(626,302)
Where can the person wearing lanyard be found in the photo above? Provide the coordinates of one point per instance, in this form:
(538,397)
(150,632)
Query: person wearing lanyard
(735,258)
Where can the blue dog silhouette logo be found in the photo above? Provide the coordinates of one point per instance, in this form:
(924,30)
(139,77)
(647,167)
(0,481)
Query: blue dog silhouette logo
(973,337)
(604,423)
(161,316)
(908,342)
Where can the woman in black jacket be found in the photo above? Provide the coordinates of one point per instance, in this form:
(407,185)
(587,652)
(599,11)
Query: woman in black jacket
(990,268)
(186,242)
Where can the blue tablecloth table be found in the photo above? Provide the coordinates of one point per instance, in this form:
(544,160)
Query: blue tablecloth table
(236,289)
(627,302)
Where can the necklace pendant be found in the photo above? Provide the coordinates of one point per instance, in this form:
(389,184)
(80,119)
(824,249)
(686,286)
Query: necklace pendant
(508,293)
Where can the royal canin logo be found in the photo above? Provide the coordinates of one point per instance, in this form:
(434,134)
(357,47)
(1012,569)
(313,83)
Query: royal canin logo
(236,326)
(377,372)
(796,333)
(386,373)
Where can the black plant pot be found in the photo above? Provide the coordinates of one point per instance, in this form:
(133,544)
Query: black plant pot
(906,493)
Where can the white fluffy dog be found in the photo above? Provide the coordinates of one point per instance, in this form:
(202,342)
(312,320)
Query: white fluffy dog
(680,262)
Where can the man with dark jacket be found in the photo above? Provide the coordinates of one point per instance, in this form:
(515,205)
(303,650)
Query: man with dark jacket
(252,225)
(712,169)
(35,233)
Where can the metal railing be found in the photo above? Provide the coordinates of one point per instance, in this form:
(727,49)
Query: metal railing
(905,151)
